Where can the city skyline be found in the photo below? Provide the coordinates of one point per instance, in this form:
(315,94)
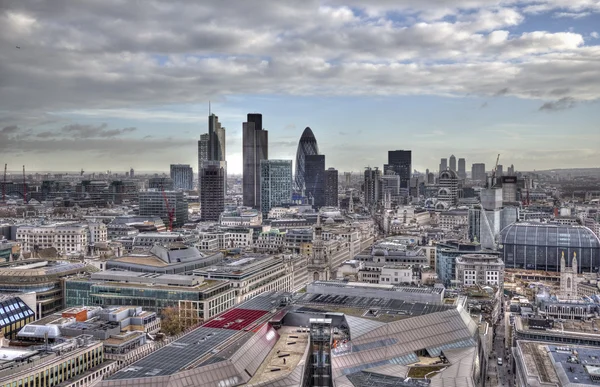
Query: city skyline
(85,90)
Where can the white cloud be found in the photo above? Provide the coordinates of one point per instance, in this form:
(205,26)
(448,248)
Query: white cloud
(595,35)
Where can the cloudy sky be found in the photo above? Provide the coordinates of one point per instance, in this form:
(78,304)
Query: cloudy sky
(113,84)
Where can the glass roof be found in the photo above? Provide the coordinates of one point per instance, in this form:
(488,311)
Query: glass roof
(542,234)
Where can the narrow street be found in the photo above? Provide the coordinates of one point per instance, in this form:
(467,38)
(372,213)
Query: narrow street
(499,375)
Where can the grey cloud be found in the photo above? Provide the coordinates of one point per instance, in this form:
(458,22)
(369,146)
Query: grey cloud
(46,134)
(9,130)
(501,92)
(561,104)
(88,131)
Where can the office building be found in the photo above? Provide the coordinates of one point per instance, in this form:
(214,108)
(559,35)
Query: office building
(182,176)
(448,187)
(478,172)
(462,171)
(211,185)
(453,163)
(203,147)
(499,171)
(400,161)
(539,246)
(131,173)
(255,148)
(306,146)
(443,164)
(14,314)
(479,269)
(372,186)
(315,179)
(160,183)
(275,184)
(160,203)
(509,188)
(511,170)
(216,137)
(331,187)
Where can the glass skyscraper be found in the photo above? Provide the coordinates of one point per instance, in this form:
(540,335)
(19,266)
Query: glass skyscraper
(255,148)
(275,183)
(307,146)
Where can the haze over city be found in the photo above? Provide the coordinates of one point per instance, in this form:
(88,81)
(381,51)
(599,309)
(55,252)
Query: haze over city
(95,86)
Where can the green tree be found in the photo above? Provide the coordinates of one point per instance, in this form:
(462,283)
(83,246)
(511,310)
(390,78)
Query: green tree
(172,322)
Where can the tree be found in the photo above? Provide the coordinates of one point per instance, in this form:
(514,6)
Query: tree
(172,323)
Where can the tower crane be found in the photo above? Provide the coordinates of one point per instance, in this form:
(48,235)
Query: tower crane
(170,211)
(4,185)
(494,171)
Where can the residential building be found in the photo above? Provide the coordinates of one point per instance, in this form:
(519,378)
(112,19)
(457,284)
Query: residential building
(182,176)
(275,184)
(331,187)
(159,203)
(315,180)
(479,269)
(307,146)
(255,148)
(211,184)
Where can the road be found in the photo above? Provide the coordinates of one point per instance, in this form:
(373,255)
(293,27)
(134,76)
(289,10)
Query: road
(500,374)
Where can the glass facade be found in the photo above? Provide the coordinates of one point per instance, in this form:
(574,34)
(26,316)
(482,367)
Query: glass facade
(275,183)
(14,314)
(306,147)
(539,246)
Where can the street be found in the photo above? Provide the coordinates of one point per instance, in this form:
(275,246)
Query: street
(499,375)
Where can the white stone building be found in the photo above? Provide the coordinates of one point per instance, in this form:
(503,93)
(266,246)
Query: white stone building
(479,269)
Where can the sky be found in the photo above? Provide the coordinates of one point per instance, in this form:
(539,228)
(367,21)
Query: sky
(113,84)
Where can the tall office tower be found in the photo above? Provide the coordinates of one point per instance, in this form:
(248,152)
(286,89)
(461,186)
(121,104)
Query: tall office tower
(131,173)
(372,186)
(154,203)
(255,148)
(453,163)
(511,170)
(491,203)
(182,176)
(331,187)
(314,179)
(203,146)
(443,165)
(499,171)
(307,146)
(478,172)
(160,183)
(462,169)
(211,183)
(275,184)
(216,137)
(400,161)
(347,179)
(390,184)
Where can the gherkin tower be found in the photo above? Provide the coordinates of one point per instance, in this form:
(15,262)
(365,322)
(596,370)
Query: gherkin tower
(307,146)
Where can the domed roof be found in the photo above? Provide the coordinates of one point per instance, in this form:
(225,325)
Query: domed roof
(548,234)
(379,253)
(307,134)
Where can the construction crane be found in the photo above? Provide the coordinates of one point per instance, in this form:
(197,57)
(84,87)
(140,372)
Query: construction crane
(170,211)
(493,183)
(24,187)
(4,185)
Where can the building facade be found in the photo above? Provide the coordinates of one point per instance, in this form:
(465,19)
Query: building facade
(275,184)
(478,172)
(154,202)
(462,170)
(307,146)
(315,179)
(479,269)
(372,186)
(400,161)
(182,176)
(211,185)
(255,148)
(331,187)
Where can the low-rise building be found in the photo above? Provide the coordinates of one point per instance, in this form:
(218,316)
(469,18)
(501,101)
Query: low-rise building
(448,220)
(14,314)
(241,217)
(479,269)
(67,238)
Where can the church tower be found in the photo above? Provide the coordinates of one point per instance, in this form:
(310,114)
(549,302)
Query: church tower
(568,278)
(319,266)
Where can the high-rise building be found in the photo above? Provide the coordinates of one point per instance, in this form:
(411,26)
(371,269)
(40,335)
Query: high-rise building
(131,173)
(462,169)
(372,186)
(331,187)
(511,170)
(154,202)
(255,148)
(314,179)
(203,146)
(453,163)
(306,146)
(211,183)
(347,179)
(448,187)
(182,176)
(478,172)
(443,164)
(216,136)
(400,161)
(499,171)
(275,184)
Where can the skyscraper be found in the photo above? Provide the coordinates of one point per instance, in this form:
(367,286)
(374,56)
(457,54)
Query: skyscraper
(372,186)
(499,171)
(478,172)
(182,176)
(255,148)
(331,187)
(216,136)
(400,161)
(443,165)
(203,146)
(511,170)
(306,146)
(462,171)
(211,183)
(453,163)
(315,179)
(275,184)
